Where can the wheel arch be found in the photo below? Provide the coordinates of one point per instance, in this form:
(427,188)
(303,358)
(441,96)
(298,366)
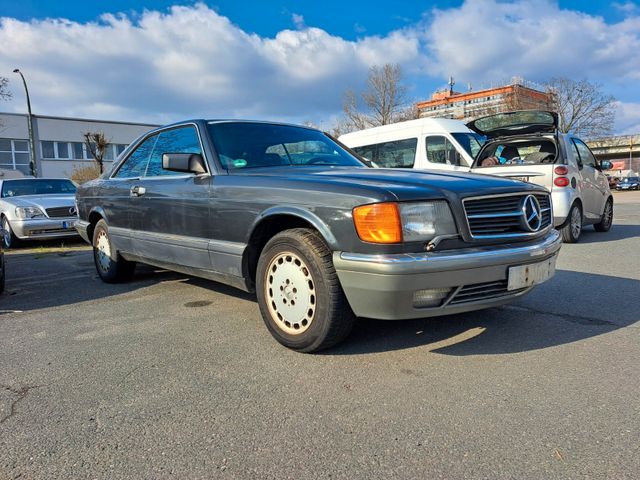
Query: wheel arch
(272,222)
(95,215)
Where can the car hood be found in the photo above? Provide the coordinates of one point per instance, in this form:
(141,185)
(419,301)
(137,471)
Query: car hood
(515,123)
(402,184)
(42,201)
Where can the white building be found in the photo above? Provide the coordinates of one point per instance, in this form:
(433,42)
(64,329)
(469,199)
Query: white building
(59,142)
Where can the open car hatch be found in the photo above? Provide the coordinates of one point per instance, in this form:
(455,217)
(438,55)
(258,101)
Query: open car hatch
(515,123)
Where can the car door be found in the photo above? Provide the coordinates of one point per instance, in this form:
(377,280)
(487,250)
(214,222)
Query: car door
(116,199)
(172,208)
(442,154)
(594,182)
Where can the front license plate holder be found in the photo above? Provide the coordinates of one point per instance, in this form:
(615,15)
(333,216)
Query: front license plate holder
(523,276)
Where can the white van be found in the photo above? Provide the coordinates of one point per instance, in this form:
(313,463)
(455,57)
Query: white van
(425,143)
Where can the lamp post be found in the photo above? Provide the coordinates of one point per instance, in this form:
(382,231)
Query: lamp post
(32,146)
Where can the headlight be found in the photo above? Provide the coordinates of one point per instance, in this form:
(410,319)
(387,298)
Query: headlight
(425,220)
(29,212)
(409,222)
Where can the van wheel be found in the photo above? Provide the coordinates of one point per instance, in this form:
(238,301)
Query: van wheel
(572,227)
(300,297)
(607,218)
(110,265)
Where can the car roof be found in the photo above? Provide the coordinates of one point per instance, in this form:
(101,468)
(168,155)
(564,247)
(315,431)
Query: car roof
(229,120)
(423,125)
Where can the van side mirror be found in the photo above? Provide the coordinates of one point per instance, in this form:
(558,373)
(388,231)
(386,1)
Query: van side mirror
(184,162)
(606,165)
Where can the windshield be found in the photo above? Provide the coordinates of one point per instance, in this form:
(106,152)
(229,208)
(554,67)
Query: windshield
(631,179)
(471,142)
(38,186)
(242,145)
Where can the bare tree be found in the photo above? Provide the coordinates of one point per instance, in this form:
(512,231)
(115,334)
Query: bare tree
(583,108)
(97,144)
(5,94)
(384,100)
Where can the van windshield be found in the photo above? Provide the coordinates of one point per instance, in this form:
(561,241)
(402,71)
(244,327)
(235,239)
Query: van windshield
(471,142)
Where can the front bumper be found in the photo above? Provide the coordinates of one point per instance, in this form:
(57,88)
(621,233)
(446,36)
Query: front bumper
(44,228)
(383,286)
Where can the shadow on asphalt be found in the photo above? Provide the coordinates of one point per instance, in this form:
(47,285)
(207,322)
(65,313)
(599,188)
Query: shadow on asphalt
(617,232)
(571,307)
(45,279)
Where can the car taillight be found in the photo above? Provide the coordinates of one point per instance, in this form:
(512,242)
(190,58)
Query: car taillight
(378,223)
(561,182)
(561,170)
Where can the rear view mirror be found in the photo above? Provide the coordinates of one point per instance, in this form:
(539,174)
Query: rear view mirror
(184,162)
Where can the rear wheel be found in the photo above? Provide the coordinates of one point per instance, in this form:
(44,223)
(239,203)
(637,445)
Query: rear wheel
(111,266)
(607,218)
(9,240)
(572,227)
(300,297)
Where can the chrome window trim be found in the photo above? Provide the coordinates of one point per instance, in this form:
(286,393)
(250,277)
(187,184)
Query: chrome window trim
(133,146)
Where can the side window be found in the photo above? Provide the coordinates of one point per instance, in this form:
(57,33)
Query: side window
(585,155)
(366,151)
(398,154)
(177,140)
(136,163)
(440,150)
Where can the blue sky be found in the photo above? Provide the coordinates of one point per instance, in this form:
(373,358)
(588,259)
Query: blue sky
(165,60)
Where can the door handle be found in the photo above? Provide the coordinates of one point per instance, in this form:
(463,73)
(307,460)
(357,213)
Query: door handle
(137,191)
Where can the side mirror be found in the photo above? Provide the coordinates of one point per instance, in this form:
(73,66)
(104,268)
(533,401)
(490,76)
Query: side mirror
(606,165)
(184,162)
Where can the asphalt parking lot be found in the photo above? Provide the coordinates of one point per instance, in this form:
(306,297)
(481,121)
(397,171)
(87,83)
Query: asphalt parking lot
(172,376)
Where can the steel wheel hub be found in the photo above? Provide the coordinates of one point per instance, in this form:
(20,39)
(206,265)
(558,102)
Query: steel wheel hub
(103,251)
(290,293)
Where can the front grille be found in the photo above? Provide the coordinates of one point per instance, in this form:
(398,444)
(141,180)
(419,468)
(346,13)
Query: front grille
(59,212)
(483,291)
(502,216)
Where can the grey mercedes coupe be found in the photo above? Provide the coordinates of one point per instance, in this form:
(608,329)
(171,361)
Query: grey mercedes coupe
(290,213)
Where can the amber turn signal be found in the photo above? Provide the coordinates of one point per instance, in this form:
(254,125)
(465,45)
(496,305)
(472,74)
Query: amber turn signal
(378,223)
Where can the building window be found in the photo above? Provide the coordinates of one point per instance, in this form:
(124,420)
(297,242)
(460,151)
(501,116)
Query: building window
(14,155)
(47,149)
(78,150)
(62,150)
(120,148)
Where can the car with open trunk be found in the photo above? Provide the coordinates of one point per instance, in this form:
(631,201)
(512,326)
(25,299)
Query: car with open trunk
(287,212)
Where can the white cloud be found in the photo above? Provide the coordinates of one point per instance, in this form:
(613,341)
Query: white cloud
(191,61)
(628,118)
(491,40)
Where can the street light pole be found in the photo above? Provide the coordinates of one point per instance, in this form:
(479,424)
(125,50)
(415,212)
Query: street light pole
(32,145)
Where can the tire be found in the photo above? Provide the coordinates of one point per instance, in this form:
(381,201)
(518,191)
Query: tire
(604,225)
(111,266)
(9,240)
(572,227)
(296,266)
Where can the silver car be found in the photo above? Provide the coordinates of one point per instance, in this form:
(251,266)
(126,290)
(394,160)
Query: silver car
(527,146)
(37,208)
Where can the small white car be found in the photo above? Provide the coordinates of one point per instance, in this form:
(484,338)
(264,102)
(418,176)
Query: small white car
(527,146)
(37,209)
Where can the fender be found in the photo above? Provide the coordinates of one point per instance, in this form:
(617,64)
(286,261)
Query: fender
(299,212)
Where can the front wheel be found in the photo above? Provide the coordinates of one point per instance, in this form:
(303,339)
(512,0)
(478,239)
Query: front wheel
(110,265)
(9,240)
(607,218)
(300,297)
(572,227)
